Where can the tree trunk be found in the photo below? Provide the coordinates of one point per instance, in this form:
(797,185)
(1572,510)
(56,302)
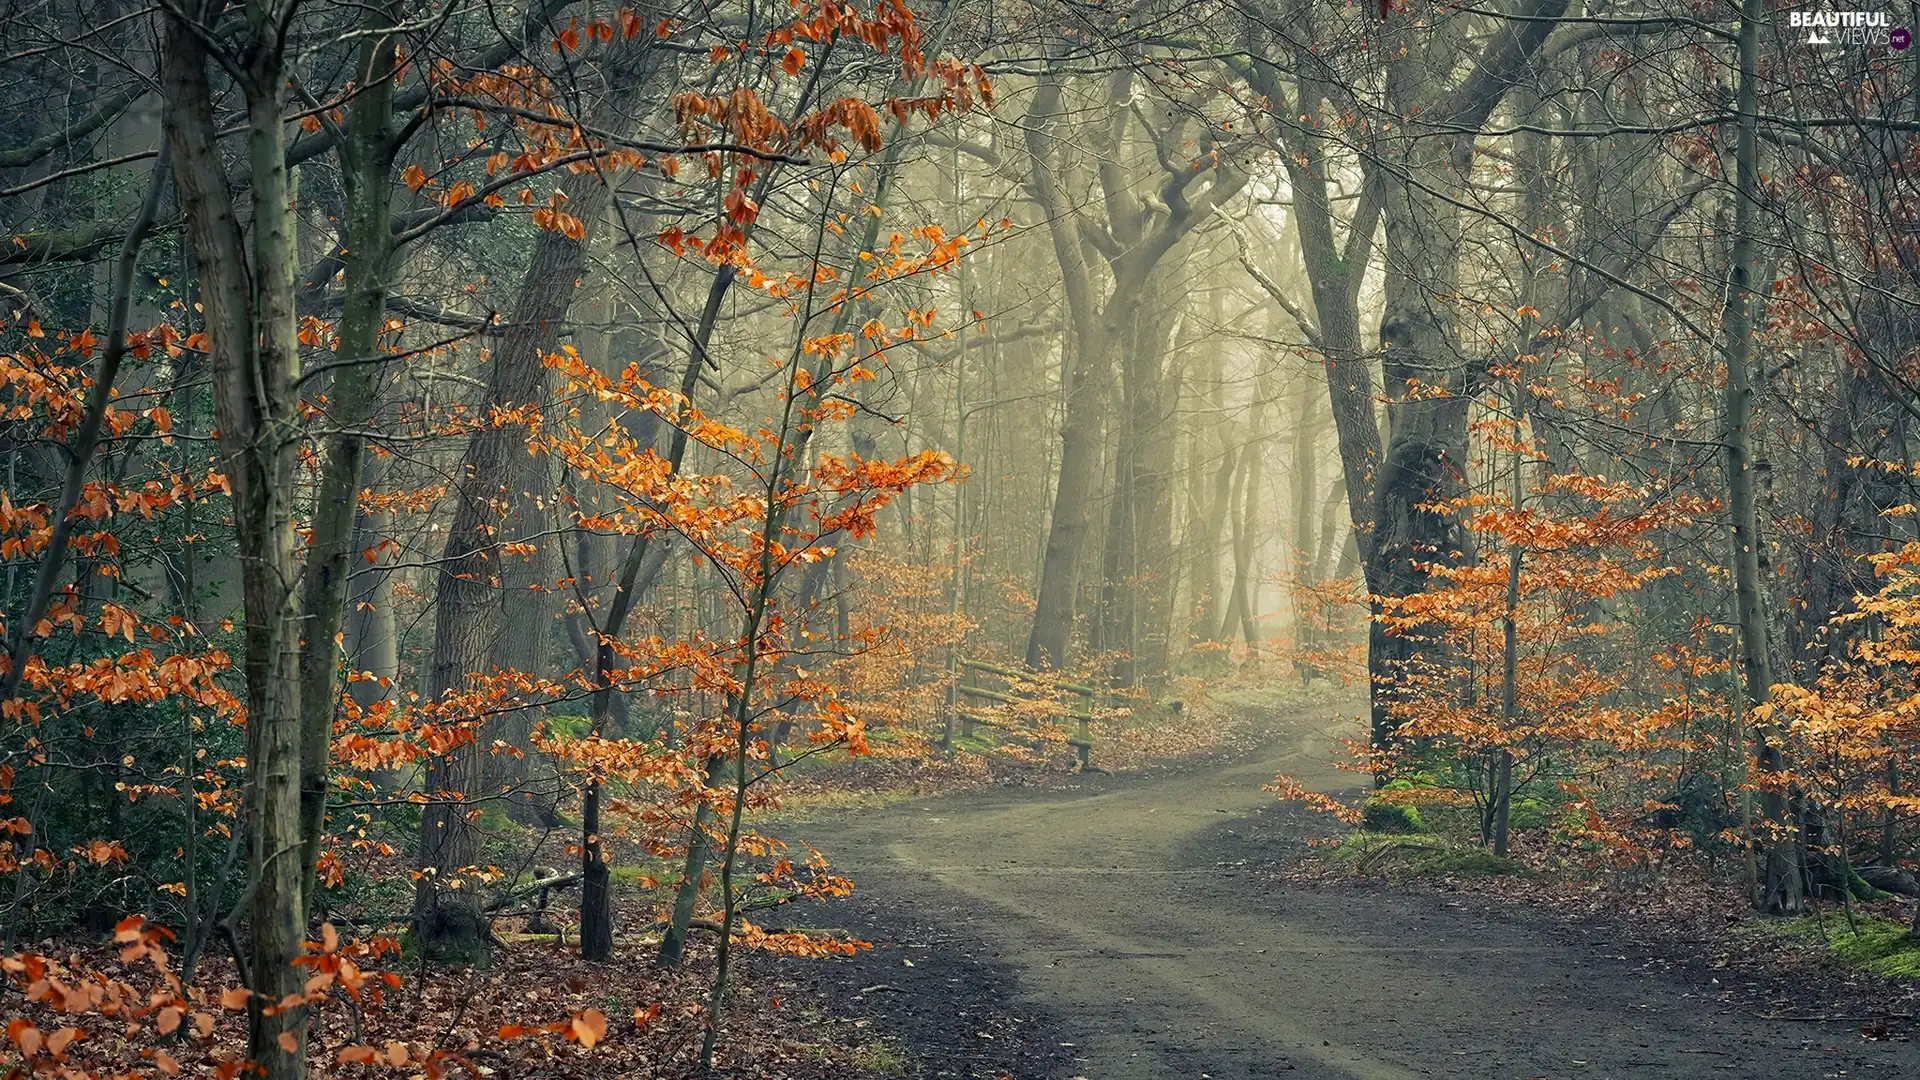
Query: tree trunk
(1427,451)
(1238,613)
(247,295)
(1208,593)
(1501,805)
(673,943)
(1139,531)
(1781,890)
(352,391)
(1304,560)
(1123,327)
(469,592)
(1429,155)
(1246,543)
(525,623)
(1825,559)
(1334,275)
(1083,393)
(1074,488)
(372,630)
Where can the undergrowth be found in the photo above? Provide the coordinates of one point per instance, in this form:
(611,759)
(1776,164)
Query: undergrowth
(1372,852)
(1880,947)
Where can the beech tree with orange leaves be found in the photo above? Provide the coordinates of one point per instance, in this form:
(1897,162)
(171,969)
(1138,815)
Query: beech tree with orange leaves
(471,466)
(1522,686)
(302,398)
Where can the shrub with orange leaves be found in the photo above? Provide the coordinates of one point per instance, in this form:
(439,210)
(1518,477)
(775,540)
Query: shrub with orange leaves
(117,679)
(1853,736)
(1550,580)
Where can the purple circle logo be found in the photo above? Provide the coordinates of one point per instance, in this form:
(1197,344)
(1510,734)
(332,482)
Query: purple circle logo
(1900,38)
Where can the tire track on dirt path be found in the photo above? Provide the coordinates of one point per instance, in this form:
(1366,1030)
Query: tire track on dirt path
(1132,917)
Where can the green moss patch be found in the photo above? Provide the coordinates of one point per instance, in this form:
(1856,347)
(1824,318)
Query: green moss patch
(648,873)
(1881,947)
(1399,819)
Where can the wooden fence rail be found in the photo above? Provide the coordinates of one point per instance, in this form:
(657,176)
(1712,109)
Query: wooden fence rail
(1022,687)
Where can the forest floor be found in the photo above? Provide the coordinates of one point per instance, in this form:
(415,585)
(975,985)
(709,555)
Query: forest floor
(1146,926)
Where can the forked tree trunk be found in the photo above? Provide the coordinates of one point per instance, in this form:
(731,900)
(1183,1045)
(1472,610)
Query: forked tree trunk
(1429,158)
(1120,327)
(1083,392)
(247,296)
(1239,616)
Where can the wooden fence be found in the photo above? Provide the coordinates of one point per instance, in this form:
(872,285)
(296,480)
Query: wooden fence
(998,709)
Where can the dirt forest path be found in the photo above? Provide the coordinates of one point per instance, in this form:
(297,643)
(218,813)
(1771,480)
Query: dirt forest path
(1125,925)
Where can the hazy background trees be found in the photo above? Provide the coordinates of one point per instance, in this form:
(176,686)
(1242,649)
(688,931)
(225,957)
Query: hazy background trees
(1259,305)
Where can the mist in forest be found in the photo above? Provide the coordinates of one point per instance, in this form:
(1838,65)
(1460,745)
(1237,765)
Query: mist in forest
(481,472)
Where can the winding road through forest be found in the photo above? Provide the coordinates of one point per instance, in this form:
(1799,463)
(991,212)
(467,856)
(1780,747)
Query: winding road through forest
(1121,929)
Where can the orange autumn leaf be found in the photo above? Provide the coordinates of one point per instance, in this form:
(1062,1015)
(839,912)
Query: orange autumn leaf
(589,1028)
(24,1035)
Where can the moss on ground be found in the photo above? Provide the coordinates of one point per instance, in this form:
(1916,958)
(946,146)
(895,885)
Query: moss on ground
(980,742)
(1387,817)
(1363,846)
(1881,947)
(647,873)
